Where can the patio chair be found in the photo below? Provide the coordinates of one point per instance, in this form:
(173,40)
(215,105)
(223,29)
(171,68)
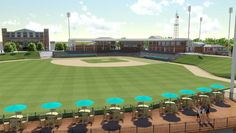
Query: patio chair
(6,125)
(147,113)
(14,124)
(42,120)
(162,111)
(59,119)
(75,117)
(84,118)
(116,116)
(24,122)
(51,121)
(106,115)
(91,119)
(219,98)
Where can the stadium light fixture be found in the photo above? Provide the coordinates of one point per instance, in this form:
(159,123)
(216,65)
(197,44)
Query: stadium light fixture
(233,65)
(68,16)
(200,28)
(230,12)
(189,10)
(69,40)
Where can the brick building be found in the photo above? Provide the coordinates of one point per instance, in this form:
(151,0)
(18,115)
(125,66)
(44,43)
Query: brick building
(106,44)
(24,36)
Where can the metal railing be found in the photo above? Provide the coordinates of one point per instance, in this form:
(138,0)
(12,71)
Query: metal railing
(180,127)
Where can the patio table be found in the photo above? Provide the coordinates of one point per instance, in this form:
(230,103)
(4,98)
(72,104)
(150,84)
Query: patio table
(52,113)
(115,108)
(17,116)
(84,111)
(143,106)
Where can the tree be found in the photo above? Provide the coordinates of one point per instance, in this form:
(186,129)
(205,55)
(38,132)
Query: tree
(60,46)
(197,40)
(8,48)
(39,46)
(13,46)
(32,47)
(65,46)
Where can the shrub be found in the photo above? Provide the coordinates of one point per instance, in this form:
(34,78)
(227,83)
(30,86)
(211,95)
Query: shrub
(60,46)
(39,46)
(8,48)
(32,47)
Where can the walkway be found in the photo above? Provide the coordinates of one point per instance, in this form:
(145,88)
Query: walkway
(201,73)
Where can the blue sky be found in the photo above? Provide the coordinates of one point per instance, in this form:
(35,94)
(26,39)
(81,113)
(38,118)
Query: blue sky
(117,18)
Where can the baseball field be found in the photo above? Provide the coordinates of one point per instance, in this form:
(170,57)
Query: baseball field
(34,82)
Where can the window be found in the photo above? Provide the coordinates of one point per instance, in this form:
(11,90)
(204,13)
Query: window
(41,34)
(25,34)
(19,34)
(37,35)
(177,43)
(31,35)
(173,43)
(163,43)
(167,43)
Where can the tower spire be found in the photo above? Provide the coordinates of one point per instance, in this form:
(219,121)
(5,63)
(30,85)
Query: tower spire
(176,26)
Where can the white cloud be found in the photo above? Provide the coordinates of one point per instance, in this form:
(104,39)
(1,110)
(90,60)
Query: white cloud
(32,15)
(94,24)
(10,23)
(208,25)
(54,29)
(180,2)
(152,7)
(207,3)
(84,8)
(146,7)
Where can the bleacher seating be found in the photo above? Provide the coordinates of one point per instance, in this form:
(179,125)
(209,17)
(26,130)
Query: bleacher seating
(65,54)
(45,54)
(158,56)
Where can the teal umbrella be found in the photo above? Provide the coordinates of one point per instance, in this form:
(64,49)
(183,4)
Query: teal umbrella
(143,98)
(187,92)
(217,86)
(204,89)
(169,95)
(51,105)
(15,108)
(115,100)
(82,103)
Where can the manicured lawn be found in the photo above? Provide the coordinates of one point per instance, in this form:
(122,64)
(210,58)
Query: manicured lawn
(38,81)
(104,60)
(16,56)
(216,65)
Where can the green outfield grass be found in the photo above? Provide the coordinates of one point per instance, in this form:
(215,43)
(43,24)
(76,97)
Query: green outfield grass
(104,60)
(38,81)
(17,56)
(218,66)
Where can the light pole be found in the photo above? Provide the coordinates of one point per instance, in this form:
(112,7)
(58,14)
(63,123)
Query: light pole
(200,29)
(68,16)
(230,12)
(231,95)
(189,10)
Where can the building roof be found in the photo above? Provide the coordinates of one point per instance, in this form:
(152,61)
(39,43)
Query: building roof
(24,30)
(155,37)
(126,39)
(104,38)
(198,44)
(214,46)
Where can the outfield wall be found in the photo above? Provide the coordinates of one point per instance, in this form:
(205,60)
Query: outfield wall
(142,54)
